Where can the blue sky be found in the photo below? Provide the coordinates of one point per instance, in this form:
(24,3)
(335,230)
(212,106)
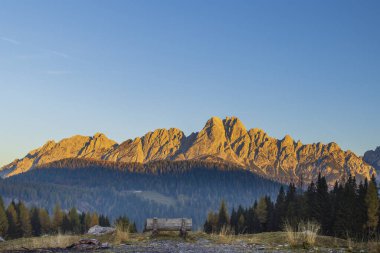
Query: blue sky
(310,69)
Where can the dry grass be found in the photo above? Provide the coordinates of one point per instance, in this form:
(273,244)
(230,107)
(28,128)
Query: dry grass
(120,235)
(270,239)
(56,241)
(226,235)
(303,234)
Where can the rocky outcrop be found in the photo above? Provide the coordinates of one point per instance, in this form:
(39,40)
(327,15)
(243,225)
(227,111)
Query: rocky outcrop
(284,160)
(99,230)
(372,157)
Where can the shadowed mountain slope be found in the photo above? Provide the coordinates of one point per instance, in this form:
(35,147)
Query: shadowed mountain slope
(154,189)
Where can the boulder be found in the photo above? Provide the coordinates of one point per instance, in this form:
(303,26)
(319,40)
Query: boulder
(99,230)
(2,239)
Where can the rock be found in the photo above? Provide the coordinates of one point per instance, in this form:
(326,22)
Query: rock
(89,244)
(99,230)
(2,239)
(260,247)
(372,157)
(284,160)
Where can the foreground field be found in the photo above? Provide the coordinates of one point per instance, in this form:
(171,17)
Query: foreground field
(195,242)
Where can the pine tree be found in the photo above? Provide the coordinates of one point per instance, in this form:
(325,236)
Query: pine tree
(35,221)
(280,210)
(270,225)
(211,223)
(13,221)
(361,209)
(234,221)
(104,221)
(94,220)
(291,205)
(87,221)
(3,219)
(345,201)
(251,219)
(311,200)
(44,221)
(66,224)
(372,202)
(133,228)
(24,218)
(82,217)
(74,221)
(322,207)
(57,219)
(261,212)
(222,216)
(241,224)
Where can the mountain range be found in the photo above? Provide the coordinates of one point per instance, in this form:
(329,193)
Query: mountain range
(221,140)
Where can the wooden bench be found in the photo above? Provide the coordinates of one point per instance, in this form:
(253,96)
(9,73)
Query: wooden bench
(179,224)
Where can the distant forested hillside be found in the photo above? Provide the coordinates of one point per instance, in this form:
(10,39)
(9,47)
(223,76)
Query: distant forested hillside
(157,189)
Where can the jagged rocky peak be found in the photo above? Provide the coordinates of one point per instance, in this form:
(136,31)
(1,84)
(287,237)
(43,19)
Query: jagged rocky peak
(372,157)
(72,147)
(234,128)
(96,146)
(162,144)
(214,127)
(284,160)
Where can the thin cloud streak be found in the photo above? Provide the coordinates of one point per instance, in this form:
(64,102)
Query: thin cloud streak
(60,54)
(49,51)
(12,41)
(58,72)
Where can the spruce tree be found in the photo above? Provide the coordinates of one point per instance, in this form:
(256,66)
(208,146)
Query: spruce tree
(211,223)
(241,224)
(24,219)
(57,221)
(13,221)
(35,221)
(372,202)
(311,200)
(234,221)
(3,219)
(94,219)
(291,205)
(87,221)
(74,221)
(280,208)
(322,205)
(44,221)
(361,209)
(261,212)
(104,221)
(66,224)
(222,216)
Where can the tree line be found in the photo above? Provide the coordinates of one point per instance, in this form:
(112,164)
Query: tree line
(17,220)
(349,209)
(186,189)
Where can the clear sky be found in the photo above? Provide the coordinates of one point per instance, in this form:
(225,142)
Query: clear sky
(310,69)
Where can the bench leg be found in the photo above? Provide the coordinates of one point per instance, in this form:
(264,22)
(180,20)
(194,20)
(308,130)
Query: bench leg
(183,233)
(154,232)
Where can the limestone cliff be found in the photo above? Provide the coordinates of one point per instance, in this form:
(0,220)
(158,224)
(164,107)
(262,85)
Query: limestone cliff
(283,160)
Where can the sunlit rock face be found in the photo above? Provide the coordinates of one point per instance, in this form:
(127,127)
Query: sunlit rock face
(283,160)
(76,146)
